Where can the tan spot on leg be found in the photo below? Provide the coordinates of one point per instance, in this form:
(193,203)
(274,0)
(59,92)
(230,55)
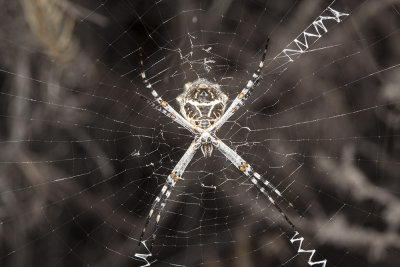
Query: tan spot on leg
(243,167)
(174,176)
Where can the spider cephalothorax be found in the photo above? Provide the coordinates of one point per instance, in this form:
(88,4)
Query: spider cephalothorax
(202,103)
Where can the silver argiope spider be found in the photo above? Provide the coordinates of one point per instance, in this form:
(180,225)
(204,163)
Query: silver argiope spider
(202,105)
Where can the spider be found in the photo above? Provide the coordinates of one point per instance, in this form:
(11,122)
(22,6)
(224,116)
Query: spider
(202,106)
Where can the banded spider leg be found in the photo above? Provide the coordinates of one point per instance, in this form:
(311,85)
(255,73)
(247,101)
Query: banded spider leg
(243,166)
(164,107)
(243,95)
(255,177)
(166,190)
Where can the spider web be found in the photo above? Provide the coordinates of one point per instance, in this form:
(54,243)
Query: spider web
(83,156)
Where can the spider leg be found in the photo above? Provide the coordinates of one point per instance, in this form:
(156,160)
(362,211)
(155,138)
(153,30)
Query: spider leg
(243,95)
(255,178)
(162,106)
(179,119)
(166,190)
(162,206)
(275,205)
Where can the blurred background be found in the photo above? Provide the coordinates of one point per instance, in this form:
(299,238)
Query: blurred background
(83,157)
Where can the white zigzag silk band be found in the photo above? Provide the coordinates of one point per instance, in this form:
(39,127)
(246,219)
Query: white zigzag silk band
(307,38)
(311,251)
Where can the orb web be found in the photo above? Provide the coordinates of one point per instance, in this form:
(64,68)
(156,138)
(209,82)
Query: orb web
(84,156)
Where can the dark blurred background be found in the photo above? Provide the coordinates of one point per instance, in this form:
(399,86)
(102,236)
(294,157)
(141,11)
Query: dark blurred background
(83,157)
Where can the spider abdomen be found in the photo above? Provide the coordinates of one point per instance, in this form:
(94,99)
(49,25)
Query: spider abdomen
(202,103)
(203,114)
